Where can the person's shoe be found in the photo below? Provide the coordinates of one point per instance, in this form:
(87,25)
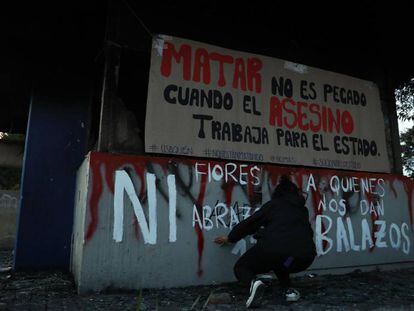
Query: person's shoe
(292,295)
(265,278)
(257,288)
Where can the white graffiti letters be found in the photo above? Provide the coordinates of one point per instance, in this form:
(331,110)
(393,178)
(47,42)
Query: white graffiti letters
(376,208)
(172,194)
(346,240)
(123,183)
(320,236)
(333,205)
(355,184)
(406,245)
(8,201)
(240,173)
(208,218)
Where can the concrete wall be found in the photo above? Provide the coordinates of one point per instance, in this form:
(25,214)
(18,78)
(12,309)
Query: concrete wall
(11,153)
(9,201)
(80,213)
(150,222)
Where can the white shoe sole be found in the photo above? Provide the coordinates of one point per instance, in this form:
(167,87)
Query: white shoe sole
(256,295)
(293,299)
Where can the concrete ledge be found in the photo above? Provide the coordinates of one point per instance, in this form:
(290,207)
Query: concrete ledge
(148,222)
(363,268)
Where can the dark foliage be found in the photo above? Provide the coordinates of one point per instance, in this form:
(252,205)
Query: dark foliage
(405,100)
(407,149)
(405,107)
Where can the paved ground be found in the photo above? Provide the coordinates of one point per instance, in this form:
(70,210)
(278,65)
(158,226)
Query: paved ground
(356,291)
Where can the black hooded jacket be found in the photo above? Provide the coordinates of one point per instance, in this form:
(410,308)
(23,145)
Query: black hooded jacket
(281,227)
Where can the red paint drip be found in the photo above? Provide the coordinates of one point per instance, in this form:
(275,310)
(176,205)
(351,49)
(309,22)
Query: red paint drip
(409,189)
(96,180)
(299,181)
(228,192)
(316,198)
(250,191)
(199,232)
(140,172)
(110,168)
(112,163)
(374,217)
(162,162)
(392,187)
(135,225)
(273,179)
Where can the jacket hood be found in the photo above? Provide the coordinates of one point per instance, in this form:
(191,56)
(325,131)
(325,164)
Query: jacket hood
(294,200)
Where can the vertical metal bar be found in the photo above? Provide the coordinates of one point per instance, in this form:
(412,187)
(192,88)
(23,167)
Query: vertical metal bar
(109,84)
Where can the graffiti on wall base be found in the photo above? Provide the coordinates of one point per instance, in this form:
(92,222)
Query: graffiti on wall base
(8,201)
(349,211)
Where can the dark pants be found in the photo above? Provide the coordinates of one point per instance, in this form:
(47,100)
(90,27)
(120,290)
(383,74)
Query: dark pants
(256,261)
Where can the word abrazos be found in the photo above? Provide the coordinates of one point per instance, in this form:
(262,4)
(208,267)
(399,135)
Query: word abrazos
(220,215)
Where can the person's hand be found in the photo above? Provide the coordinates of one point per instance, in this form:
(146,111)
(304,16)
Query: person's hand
(221,240)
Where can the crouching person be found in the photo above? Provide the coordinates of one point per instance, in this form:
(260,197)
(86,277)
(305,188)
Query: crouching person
(284,242)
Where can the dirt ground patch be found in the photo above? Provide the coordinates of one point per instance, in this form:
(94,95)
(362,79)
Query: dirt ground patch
(55,290)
